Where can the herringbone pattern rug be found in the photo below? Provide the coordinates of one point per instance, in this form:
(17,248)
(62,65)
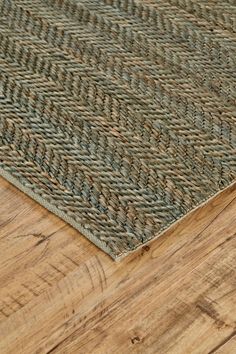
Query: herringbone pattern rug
(118,115)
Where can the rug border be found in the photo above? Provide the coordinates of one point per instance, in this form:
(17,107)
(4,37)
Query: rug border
(52,208)
(181,218)
(85,233)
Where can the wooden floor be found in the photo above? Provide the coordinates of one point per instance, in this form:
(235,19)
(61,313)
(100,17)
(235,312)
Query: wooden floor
(60,294)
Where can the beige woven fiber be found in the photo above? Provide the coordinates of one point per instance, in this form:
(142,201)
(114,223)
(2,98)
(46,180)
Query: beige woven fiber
(118,115)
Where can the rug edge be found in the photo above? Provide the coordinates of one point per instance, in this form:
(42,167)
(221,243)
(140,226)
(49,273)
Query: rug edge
(85,233)
(174,223)
(53,209)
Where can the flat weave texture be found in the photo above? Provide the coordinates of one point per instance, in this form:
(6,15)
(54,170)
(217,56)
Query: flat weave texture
(118,115)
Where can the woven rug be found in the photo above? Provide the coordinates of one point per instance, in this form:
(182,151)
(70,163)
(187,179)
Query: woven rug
(118,115)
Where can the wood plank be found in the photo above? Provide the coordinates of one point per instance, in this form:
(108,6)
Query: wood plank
(60,294)
(227,346)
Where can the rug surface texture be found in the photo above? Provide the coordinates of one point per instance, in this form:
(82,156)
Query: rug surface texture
(118,115)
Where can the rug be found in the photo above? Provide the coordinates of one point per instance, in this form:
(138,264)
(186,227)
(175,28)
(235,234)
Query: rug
(118,115)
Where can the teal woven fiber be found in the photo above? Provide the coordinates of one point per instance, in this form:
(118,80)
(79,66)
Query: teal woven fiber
(118,115)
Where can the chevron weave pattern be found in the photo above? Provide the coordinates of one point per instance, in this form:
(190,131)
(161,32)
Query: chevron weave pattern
(118,115)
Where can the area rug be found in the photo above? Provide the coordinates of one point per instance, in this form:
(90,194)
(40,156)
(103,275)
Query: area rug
(118,115)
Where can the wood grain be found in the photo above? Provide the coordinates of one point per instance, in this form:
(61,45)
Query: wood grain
(60,294)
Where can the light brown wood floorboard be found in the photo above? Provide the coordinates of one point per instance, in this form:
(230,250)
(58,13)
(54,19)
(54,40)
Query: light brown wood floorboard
(60,294)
